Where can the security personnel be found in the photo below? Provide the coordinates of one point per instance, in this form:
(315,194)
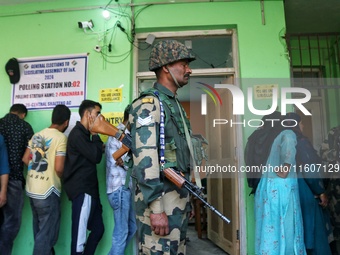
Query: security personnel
(162,209)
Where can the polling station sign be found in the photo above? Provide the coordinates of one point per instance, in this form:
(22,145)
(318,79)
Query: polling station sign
(48,81)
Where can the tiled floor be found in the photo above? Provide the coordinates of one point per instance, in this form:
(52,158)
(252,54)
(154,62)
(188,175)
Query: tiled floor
(204,246)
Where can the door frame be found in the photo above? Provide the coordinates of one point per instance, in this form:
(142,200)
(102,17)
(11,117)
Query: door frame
(316,103)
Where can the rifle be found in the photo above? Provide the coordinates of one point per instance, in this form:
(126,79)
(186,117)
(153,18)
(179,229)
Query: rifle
(102,126)
(177,178)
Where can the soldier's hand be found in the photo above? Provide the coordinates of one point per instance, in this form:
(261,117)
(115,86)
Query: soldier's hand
(120,162)
(159,223)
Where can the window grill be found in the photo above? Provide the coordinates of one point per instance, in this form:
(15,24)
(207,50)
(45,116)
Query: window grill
(314,56)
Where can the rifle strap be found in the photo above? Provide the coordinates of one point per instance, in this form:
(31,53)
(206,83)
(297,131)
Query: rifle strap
(161,133)
(187,136)
(127,177)
(129,171)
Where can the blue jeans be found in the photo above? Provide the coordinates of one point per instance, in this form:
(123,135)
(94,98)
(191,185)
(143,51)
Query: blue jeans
(46,223)
(125,220)
(11,212)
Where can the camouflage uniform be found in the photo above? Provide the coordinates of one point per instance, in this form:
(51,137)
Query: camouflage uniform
(154,193)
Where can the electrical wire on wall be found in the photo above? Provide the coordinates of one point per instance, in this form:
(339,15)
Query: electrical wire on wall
(108,56)
(125,23)
(107,51)
(131,34)
(124,19)
(108,35)
(282,40)
(107,48)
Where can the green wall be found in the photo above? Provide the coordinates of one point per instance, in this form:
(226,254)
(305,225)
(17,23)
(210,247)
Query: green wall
(261,55)
(58,34)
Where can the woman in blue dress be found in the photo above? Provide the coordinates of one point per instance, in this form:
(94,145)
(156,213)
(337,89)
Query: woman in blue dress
(313,200)
(278,226)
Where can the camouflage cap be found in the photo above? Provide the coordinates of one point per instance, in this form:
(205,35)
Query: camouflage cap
(168,51)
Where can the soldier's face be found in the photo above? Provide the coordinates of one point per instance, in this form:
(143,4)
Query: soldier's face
(181,71)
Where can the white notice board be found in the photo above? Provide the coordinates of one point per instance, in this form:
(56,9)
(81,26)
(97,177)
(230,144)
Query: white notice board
(48,81)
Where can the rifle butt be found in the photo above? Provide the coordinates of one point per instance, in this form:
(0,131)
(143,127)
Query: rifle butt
(102,126)
(175,178)
(119,153)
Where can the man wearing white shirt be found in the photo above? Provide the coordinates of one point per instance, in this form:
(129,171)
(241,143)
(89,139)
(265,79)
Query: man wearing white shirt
(119,192)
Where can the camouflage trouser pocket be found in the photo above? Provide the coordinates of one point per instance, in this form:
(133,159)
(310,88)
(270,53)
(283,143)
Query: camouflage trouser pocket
(155,246)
